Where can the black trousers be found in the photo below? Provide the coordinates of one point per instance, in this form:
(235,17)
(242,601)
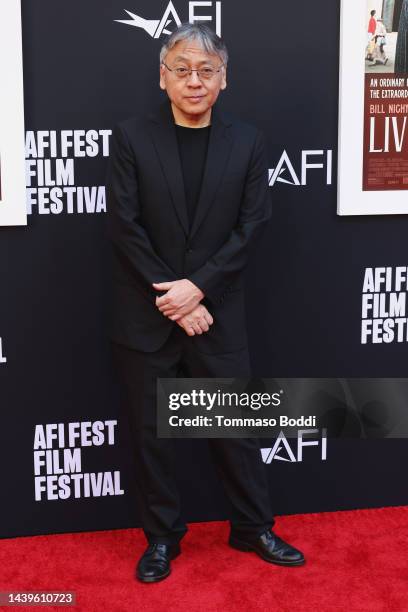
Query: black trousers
(237,461)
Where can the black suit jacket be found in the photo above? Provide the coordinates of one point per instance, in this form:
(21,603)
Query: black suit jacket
(147,224)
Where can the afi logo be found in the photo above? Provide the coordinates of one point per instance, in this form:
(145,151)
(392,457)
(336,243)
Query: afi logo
(157,27)
(282,450)
(285,171)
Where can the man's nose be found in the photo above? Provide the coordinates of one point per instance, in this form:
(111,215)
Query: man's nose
(193,78)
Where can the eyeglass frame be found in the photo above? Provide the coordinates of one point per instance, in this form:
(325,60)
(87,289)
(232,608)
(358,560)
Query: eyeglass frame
(191,70)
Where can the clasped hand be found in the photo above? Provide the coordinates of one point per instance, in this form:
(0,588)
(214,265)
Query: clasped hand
(181,303)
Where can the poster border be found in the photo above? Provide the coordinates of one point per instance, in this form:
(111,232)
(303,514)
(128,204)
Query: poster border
(13,209)
(351,199)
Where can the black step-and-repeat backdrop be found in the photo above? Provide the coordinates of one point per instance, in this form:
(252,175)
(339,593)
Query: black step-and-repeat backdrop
(65,454)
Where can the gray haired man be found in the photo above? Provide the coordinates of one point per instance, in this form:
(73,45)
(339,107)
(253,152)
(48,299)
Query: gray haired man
(187,200)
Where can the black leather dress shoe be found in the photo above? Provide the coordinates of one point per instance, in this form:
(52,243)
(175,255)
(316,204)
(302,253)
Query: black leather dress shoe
(270,547)
(154,564)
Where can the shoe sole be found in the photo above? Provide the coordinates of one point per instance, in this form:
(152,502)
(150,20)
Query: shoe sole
(244,547)
(158,578)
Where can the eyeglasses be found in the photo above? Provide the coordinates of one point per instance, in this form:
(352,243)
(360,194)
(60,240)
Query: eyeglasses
(202,73)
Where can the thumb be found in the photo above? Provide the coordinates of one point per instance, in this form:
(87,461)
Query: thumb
(163,286)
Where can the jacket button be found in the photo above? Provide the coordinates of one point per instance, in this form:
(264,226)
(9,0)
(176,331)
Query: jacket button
(189,250)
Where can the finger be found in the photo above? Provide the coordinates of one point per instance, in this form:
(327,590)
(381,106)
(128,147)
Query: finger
(168,308)
(197,329)
(163,286)
(209,318)
(206,317)
(204,325)
(190,331)
(163,300)
(176,317)
(168,311)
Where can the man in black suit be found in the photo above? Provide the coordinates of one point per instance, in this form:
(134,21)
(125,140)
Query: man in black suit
(187,198)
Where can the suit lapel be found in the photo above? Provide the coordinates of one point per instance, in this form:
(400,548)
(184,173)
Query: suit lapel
(219,149)
(165,142)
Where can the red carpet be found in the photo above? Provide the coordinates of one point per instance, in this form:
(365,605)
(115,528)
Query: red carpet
(356,561)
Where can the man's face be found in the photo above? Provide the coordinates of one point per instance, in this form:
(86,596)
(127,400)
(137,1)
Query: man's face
(189,94)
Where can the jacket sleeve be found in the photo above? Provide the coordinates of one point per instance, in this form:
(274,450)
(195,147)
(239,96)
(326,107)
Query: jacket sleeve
(216,276)
(124,227)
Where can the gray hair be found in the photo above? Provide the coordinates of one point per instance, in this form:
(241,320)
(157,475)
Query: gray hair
(209,40)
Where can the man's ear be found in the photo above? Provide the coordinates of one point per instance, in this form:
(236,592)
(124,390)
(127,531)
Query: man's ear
(162,77)
(224,78)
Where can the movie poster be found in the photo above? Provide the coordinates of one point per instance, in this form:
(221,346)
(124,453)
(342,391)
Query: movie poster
(373,130)
(386,99)
(12,157)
